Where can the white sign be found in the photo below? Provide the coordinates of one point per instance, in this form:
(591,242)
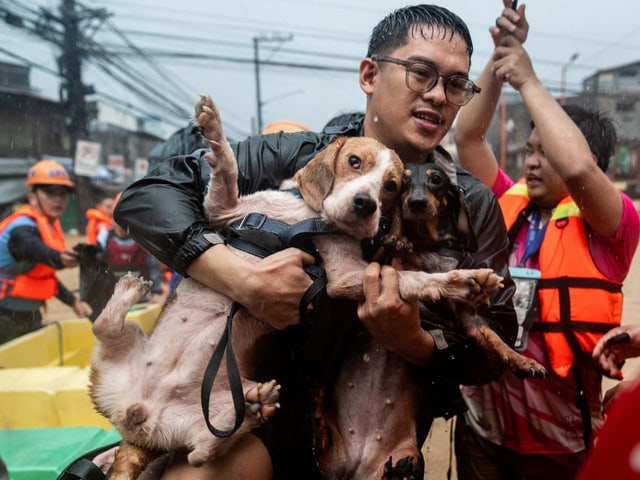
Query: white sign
(141,168)
(116,163)
(87,158)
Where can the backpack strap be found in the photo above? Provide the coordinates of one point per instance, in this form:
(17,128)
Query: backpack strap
(82,468)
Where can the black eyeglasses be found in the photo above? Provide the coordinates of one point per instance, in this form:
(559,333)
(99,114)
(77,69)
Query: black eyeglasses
(422,77)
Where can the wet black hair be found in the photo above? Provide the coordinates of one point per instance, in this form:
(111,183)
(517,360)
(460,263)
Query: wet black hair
(599,131)
(393,31)
(343,119)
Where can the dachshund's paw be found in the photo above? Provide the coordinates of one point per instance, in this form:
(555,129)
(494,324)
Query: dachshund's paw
(525,367)
(397,246)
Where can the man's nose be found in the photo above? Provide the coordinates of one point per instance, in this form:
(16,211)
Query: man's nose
(437,94)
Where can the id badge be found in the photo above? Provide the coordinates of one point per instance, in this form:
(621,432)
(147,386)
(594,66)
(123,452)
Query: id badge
(526,281)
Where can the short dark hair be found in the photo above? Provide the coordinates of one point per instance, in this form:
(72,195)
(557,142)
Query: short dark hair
(343,119)
(393,31)
(598,130)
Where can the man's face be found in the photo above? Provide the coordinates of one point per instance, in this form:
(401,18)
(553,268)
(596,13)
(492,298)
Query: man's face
(106,205)
(412,123)
(545,186)
(52,200)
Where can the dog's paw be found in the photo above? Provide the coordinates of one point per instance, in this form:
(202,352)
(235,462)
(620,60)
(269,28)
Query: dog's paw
(131,287)
(397,246)
(525,367)
(208,119)
(262,400)
(407,467)
(483,283)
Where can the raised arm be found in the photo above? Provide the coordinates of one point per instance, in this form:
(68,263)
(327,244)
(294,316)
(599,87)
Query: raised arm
(474,153)
(565,146)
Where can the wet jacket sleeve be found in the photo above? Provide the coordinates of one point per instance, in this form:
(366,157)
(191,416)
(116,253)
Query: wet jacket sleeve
(25,244)
(163,211)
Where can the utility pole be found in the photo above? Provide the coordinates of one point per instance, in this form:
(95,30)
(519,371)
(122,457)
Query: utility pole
(256,62)
(71,69)
(66,31)
(73,92)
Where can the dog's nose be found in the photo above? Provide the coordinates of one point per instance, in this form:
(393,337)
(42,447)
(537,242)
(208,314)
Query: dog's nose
(364,205)
(417,204)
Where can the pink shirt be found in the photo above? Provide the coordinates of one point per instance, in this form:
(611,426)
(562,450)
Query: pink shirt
(541,416)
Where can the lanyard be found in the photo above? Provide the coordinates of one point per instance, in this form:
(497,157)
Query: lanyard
(535,234)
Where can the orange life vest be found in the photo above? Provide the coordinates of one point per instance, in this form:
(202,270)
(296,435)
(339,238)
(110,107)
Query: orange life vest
(40,282)
(578,304)
(96,218)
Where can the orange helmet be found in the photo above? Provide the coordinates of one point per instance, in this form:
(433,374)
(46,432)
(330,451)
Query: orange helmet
(48,172)
(287,126)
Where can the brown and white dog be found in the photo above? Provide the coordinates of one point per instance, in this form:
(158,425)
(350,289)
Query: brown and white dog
(149,386)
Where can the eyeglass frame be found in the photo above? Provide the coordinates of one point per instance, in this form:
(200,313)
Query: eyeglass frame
(407,64)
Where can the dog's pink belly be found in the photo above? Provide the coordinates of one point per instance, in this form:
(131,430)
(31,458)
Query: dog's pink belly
(372,414)
(151,389)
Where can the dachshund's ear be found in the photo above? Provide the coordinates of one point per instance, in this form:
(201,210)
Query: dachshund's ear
(315,179)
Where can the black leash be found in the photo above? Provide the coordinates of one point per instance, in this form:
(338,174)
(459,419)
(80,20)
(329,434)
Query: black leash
(235,383)
(261,236)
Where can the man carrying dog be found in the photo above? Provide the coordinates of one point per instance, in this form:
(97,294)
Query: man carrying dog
(415,78)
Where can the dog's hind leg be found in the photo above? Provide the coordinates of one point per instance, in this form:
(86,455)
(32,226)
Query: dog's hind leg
(114,334)
(130,461)
(262,403)
(490,342)
(223,185)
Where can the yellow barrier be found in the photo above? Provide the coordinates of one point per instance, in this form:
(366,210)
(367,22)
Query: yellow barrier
(44,375)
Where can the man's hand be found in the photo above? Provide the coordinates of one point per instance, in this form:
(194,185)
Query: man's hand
(511,22)
(615,347)
(81,309)
(390,320)
(69,258)
(274,287)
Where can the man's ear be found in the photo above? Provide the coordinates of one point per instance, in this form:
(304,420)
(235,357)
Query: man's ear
(32,199)
(368,73)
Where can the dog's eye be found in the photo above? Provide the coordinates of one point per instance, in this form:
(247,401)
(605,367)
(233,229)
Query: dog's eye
(437,179)
(391,186)
(355,162)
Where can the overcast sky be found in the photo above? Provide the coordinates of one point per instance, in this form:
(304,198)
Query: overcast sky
(327,33)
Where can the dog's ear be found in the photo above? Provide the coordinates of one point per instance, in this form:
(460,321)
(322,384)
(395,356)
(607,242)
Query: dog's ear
(315,179)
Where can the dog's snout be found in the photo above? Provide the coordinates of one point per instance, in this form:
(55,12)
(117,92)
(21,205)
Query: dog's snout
(417,203)
(364,205)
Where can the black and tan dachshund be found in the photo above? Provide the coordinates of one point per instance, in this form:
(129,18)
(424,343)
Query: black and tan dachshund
(435,223)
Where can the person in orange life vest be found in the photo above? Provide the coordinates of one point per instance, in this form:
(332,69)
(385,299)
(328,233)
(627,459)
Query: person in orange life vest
(32,248)
(123,254)
(572,238)
(99,218)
